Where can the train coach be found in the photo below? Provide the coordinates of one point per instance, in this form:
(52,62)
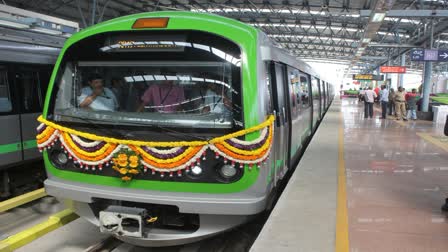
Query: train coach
(25,71)
(168,127)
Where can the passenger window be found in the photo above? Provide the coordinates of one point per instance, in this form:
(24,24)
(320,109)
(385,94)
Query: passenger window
(269,86)
(5,96)
(315,84)
(294,84)
(29,85)
(304,91)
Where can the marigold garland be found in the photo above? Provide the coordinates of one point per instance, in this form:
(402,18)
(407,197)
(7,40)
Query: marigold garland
(130,157)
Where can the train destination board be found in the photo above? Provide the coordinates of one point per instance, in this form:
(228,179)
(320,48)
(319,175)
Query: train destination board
(392,69)
(368,77)
(429,55)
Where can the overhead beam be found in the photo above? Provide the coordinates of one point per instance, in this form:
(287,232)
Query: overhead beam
(409,13)
(391,45)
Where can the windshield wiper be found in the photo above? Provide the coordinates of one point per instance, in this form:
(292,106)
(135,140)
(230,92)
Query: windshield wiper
(98,126)
(121,135)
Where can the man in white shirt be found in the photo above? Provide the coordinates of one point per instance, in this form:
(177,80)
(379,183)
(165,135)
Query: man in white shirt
(96,96)
(384,99)
(369,98)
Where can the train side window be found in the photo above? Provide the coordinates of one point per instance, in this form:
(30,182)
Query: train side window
(315,86)
(5,95)
(269,86)
(294,86)
(305,91)
(28,82)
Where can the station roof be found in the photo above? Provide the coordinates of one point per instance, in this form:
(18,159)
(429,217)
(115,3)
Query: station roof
(363,34)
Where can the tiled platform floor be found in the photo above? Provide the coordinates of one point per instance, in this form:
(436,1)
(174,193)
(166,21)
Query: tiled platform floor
(397,179)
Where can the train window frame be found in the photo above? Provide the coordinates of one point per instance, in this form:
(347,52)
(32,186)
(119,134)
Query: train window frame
(8,92)
(238,121)
(305,104)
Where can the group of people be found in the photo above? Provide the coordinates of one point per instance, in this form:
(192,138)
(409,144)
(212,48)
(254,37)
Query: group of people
(164,98)
(397,102)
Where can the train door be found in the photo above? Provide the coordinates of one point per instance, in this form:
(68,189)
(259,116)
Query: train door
(32,83)
(316,100)
(10,140)
(282,128)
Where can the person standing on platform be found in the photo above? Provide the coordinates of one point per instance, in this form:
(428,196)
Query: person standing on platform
(362,92)
(377,92)
(369,98)
(384,100)
(400,104)
(391,102)
(411,99)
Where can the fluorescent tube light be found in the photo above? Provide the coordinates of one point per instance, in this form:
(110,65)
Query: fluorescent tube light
(366,40)
(378,17)
(13,24)
(47,31)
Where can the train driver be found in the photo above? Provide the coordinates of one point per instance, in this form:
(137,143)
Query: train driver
(96,96)
(163,98)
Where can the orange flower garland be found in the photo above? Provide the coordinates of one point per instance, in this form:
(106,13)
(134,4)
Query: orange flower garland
(130,157)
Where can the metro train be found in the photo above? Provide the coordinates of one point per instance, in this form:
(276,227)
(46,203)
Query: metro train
(25,71)
(165,128)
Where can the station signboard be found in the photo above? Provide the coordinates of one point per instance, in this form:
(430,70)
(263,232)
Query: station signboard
(429,55)
(392,69)
(368,77)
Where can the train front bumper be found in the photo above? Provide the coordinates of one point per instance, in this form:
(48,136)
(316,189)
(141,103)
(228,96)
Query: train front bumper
(199,203)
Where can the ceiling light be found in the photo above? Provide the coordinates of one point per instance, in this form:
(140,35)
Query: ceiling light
(366,40)
(378,17)
(13,24)
(47,31)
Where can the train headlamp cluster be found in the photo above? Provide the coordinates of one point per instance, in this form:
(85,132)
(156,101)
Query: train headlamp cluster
(62,158)
(196,170)
(227,171)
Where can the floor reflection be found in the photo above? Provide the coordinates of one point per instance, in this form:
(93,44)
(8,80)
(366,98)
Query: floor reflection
(397,179)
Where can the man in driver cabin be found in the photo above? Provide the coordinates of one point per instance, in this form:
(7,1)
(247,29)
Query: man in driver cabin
(97,97)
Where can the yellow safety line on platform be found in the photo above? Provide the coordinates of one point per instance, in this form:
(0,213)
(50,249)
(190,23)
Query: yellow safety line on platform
(342,242)
(433,140)
(55,221)
(22,199)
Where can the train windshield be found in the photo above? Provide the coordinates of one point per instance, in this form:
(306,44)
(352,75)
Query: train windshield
(182,79)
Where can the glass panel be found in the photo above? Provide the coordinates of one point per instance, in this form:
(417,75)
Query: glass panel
(315,84)
(142,80)
(29,86)
(305,91)
(5,95)
(294,84)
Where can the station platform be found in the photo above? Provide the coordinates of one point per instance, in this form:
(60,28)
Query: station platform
(364,185)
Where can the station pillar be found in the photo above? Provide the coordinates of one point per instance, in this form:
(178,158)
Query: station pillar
(401,76)
(427,74)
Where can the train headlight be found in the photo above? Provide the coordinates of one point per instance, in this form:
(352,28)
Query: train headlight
(196,170)
(62,158)
(228,171)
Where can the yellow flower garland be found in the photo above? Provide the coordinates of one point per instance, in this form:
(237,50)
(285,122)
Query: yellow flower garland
(70,142)
(264,147)
(155,144)
(164,161)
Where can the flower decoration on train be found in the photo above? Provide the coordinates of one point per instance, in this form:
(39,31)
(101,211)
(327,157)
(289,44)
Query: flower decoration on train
(130,157)
(127,163)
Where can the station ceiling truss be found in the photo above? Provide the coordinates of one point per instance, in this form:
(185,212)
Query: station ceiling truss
(352,32)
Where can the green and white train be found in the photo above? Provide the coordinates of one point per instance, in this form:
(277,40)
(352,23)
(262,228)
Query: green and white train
(168,127)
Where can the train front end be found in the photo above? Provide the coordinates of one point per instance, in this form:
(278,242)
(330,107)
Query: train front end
(152,127)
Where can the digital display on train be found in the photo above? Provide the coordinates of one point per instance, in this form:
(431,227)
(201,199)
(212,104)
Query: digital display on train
(144,43)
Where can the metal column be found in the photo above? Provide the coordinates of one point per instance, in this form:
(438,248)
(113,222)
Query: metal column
(401,76)
(427,74)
